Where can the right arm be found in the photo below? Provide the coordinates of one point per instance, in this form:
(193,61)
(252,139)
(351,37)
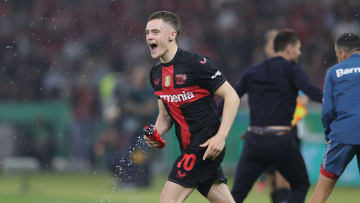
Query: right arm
(240,88)
(163,121)
(162,125)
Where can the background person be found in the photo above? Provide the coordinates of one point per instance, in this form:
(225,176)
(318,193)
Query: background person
(279,187)
(272,88)
(340,115)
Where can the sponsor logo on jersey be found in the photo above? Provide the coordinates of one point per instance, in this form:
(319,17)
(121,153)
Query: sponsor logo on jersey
(178,97)
(167,81)
(203,61)
(340,72)
(218,73)
(180,175)
(180,79)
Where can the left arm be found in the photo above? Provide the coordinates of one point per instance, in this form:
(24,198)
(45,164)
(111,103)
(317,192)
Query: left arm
(231,103)
(328,111)
(303,82)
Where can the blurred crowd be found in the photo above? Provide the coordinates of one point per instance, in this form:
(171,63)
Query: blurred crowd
(50,49)
(93,55)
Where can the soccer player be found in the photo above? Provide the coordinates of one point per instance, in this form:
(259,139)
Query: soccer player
(272,88)
(185,84)
(340,115)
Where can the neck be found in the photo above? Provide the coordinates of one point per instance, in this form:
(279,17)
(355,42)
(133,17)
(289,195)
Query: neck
(354,52)
(170,53)
(282,54)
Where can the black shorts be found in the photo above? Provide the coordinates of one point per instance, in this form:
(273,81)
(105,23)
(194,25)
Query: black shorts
(190,170)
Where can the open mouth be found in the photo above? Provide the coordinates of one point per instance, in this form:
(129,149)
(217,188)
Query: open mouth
(152,45)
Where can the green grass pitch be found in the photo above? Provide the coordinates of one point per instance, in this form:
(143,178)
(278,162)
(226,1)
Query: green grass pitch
(98,188)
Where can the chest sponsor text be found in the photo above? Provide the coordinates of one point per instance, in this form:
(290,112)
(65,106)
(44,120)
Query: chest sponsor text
(184,96)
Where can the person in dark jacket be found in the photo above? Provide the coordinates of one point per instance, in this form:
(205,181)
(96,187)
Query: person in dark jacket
(272,87)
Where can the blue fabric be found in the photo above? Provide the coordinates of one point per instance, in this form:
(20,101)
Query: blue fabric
(341,102)
(338,156)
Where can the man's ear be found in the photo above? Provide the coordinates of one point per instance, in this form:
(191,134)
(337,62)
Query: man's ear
(172,36)
(288,50)
(344,54)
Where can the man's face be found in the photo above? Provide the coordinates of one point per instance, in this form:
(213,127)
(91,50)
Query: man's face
(158,36)
(294,51)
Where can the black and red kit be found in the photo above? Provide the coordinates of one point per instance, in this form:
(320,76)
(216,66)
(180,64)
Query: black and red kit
(186,86)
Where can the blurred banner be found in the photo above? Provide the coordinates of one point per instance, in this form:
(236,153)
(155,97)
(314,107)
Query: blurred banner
(38,128)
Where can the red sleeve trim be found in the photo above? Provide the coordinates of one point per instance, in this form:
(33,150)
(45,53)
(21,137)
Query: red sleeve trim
(328,173)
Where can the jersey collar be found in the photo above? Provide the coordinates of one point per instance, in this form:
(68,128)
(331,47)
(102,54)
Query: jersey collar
(172,60)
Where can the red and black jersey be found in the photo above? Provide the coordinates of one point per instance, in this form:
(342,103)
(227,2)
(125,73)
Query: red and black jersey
(186,86)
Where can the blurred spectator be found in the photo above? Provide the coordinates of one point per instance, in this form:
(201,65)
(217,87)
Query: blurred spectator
(85,109)
(139,107)
(127,154)
(113,142)
(63,33)
(54,84)
(36,139)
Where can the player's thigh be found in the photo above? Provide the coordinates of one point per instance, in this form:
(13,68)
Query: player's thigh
(292,167)
(174,193)
(220,193)
(250,165)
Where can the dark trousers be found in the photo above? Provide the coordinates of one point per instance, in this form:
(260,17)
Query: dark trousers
(263,151)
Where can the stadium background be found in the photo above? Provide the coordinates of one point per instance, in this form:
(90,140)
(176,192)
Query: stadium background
(68,65)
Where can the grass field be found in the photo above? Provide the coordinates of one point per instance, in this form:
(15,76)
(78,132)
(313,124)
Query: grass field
(98,188)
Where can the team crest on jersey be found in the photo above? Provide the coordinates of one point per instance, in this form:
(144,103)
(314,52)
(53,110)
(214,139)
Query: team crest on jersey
(180,79)
(203,61)
(167,81)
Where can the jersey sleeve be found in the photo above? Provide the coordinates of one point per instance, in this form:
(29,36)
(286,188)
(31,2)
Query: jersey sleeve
(207,74)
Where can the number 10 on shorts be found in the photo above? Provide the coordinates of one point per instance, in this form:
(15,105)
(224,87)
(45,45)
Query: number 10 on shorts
(187,163)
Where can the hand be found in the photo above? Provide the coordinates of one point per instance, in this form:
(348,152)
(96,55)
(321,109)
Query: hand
(214,145)
(154,135)
(151,143)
